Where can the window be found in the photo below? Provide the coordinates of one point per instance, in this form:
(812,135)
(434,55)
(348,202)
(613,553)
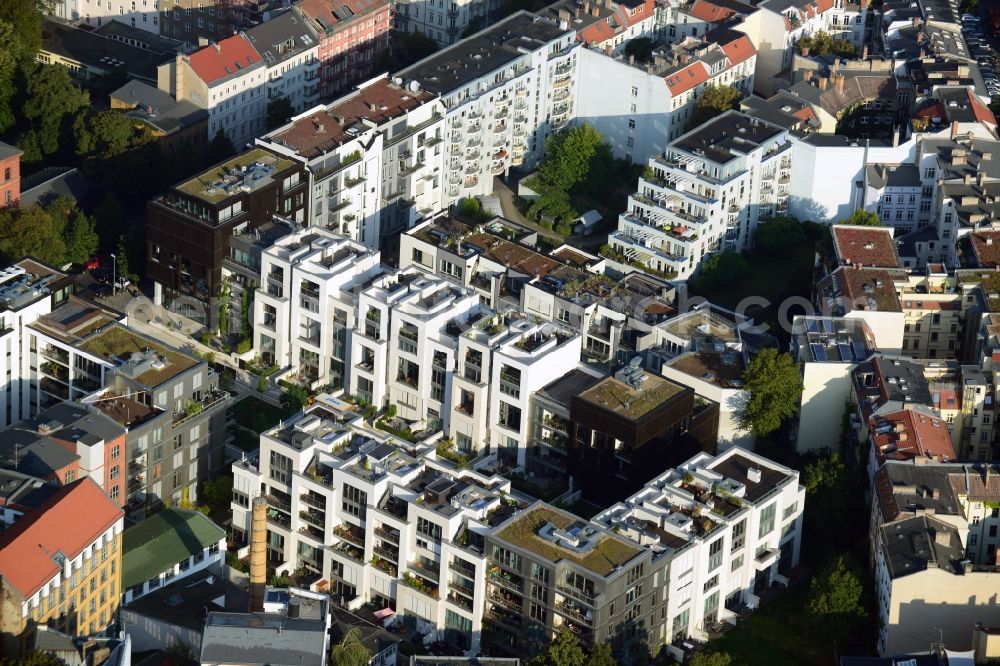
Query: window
(355,501)
(281,468)
(635,91)
(737,563)
(631,123)
(993,531)
(115,451)
(739,534)
(715,555)
(766,521)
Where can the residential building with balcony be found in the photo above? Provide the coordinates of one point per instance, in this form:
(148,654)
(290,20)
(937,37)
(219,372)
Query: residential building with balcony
(404,349)
(380,519)
(374,159)
(228,78)
(707,194)
(189,226)
(631,424)
(566,286)
(504,89)
(640,109)
(289,47)
(305,308)
(445,24)
(29,289)
(169,403)
(60,566)
(721,531)
(353,38)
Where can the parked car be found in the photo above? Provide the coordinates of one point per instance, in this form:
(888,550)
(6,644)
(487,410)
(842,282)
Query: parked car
(92,264)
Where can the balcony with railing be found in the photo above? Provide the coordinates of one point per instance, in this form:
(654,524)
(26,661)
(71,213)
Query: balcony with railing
(349,551)
(425,570)
(350,534)
(387,534)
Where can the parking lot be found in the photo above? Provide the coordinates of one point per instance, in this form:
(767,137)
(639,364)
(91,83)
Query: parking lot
(982,44)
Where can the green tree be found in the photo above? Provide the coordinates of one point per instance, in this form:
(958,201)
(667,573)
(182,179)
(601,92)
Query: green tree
(26,21)
(719,271)
(122,267)
(246,331)
(82,240)
(31,231)
(710,659)
(418,45)
(33,659)
(715,100)
(834,606)
(279,110)
(822,43)
(295,396)
(779,235)
(567,157)
(825,473)
(471,210)
(8,70)
(774,386)
(601,655)
(640,48)
(350,651)
(864,218)
(105,134)
(51,102)
(219,148)
(563,650)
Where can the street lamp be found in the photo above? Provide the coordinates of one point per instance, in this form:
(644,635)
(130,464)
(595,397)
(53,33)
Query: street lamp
(114,275)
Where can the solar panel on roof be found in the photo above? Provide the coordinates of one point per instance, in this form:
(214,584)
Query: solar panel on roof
(845,351)
(812,326)
(818,350)
(827,326)
(859,350)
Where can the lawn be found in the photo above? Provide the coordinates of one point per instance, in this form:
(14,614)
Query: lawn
(257,415)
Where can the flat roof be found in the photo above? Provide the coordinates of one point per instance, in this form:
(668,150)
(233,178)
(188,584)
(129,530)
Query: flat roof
(737,466)
(119,343)
(723,369)
(252,169)
(607,553)
(725,137)
(485,52)
(95,50)
(633,403)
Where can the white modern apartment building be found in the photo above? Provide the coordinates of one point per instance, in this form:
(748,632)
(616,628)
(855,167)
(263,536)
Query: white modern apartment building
(28,290)
(290,48)
(382,520)
(402,353)
(456,551)
(305,309)
(141,14)
(639,109)
(505,89)
(228,79)
(707,194)
(375,157)
(727,526)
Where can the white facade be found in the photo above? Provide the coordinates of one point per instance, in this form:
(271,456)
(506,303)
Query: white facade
(638,110)
(304,309)
(375,158)
(707,194)
(728,537)
(142,14)
(290,49)
(210,557)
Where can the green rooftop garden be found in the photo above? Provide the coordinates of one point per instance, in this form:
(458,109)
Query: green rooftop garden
(119,343)
(608,554)
(633,403)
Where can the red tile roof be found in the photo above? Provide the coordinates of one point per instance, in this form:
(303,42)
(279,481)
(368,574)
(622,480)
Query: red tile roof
(687,78)
(67,522)
(321,11)
(983,113)
(865,246)
(739,50)
(704,10)
(986,248)
(597,33)
(637,15)
(909,434)
(225,58)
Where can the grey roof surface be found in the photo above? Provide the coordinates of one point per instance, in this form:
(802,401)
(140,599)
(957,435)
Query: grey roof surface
(21,490)
(95,50)
(262,638)
(485,52)
(158,108)
(49,184)
(574,382)
(717,138)
(32,454)
(883,175)
(7,150)
(271,37)
(183,603)
(920,543)
(906,245)
(736,466)
(913,486)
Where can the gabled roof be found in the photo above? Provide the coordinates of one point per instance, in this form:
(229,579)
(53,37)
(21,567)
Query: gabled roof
(864,246)
(986,248)
(909,434)
(223,59)
(687,78)
(161,541)
(739,50)
(66,523)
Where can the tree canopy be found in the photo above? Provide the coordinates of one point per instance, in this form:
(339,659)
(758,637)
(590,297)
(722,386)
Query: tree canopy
(279,110)
(350,651)
(418,45)
(713,101)
(33,659)
(563,650)
(773,386)
(640,48)
(710,659)
(834,606)
(779,235)
(864,218)
(822,43)
(719,270)
(50,105)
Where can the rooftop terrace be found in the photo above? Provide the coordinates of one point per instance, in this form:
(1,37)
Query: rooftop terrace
(633,403)
(246,172)
(121,345)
